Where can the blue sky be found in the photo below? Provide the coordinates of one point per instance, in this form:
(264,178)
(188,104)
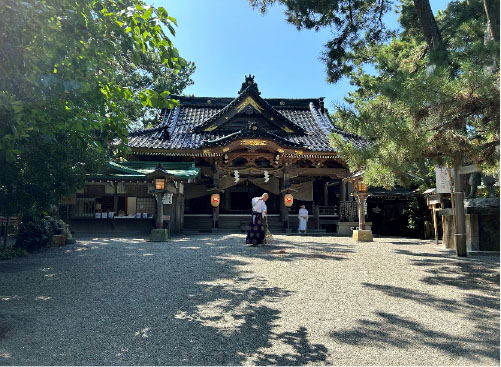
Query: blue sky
(227,40)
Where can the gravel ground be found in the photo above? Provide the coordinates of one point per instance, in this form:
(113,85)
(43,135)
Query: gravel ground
(210,300)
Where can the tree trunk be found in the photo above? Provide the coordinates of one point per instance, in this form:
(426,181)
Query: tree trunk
(428,24)
(493,28)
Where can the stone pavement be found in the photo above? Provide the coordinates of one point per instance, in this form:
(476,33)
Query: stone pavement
(210,300)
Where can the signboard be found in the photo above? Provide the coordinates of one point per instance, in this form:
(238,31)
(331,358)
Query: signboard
(167,198)
(443,180)
(71,199)
(433,199)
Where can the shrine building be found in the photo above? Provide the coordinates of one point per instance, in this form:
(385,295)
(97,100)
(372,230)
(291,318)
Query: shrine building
(236,147)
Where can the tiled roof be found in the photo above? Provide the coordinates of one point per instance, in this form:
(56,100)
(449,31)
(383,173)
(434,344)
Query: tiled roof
(140,169)
(250,133)
(179,127)
(268,110)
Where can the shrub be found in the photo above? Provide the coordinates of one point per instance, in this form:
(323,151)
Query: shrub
(10,253)
(33,235)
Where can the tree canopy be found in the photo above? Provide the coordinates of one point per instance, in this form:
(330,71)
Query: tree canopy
(427,93)
(75,75)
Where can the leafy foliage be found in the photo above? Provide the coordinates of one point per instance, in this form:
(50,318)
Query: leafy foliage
(71,83)
(426,94)
(10,253)
(354,24)
(33,235)
(417,113)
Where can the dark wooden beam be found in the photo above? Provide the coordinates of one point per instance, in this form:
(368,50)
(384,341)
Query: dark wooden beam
(331,172)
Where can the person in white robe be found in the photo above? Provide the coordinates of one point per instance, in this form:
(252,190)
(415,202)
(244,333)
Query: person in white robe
(303,219)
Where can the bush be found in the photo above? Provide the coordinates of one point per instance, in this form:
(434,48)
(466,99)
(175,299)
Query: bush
(10,253)
(33,235)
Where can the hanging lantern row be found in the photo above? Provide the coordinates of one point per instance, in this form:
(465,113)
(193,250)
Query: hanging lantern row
(288,200)
(215,200)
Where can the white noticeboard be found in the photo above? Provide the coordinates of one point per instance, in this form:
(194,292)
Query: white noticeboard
(167,198)
(443,180)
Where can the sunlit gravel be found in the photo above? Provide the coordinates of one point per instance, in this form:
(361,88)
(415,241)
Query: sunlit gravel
(211,300)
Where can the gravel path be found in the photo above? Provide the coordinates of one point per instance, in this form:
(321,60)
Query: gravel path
(209,300)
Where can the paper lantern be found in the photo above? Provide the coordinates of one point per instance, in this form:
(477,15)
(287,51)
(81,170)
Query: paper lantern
(160,183)
(215,200)
(288,200)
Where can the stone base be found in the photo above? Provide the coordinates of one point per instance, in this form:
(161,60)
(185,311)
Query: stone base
(362,235)
(159,235)
(344,228)
(57,240)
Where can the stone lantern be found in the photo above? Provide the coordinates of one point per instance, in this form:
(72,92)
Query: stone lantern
(160,178)
(361,193)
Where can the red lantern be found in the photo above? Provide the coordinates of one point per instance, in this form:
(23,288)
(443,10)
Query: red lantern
(288,200)
(215,200)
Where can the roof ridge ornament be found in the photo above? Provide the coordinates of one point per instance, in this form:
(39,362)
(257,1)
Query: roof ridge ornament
(249,84)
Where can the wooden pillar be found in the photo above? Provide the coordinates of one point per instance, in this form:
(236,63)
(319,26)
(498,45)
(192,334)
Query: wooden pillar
(435,223)
(284,211)
(316,216)
(227,200)
(349,191)
(215,211)
(326,193)
(181,212)
(342,190)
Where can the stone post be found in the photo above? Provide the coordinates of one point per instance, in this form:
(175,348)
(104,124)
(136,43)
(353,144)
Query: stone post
(460,235)
(160,211)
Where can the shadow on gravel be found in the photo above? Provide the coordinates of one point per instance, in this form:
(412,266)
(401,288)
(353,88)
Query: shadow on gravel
(407,243)
(131,302)
(467,274)
(283,250)
(391,330)
(305,353)
(480,273)
(423,298)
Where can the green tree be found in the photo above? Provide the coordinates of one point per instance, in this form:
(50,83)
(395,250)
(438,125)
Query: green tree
(426,94)
(417,112)
(66,85)
(355,25)
(151,74)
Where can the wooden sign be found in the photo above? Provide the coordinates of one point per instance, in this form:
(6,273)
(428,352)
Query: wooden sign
(433,199)
(68,200)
